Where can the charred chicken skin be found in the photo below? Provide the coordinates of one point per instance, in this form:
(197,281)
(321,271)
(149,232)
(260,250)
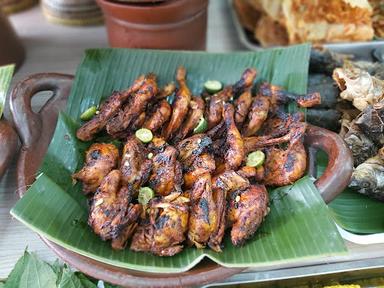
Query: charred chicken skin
(100,159)
(190,148)
(180,105)
(246,210)
(257,115)
(164,232)
(136,105)
(203,164)
(242,106)
(110,206)
(160,115)
(107,110)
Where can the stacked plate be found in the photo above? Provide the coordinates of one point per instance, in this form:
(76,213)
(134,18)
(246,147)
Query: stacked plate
(72,12)
(12,6)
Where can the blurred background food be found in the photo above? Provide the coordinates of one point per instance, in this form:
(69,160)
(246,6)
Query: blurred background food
(13,6)
(284,22)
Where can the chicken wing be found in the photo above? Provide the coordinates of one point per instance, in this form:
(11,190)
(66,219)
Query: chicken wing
(242,105)
(195,113)
(166,91)
(138,123)
(235,153)
(180,105)
(136,105)
(190,148)
(215,108)
(203,164)
(257,115)
(165,231)
(109,207)
(246,211)
(166,176)
(107,110)
(161,112)
(252,173)
(135,167)
(203,216)
(100,159)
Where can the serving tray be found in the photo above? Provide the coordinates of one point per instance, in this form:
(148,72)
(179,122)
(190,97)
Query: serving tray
(36,129)
(8,145)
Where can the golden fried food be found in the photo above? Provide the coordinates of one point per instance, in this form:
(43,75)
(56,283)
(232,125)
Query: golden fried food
(180,105)
(135,167)
(161,112)
(166,176)
(246,210)
(110,206)
(165,231)
(107,110)
(100,159)
(196,112)
(203,216)
(136,105)
(235,153)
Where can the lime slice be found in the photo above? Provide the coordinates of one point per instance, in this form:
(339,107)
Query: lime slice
(255,159)
(213,86)
(144,135)
(201,127)
(145,194)
(89,113)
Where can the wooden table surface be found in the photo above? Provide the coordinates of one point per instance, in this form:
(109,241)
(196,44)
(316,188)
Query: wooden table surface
(55,48)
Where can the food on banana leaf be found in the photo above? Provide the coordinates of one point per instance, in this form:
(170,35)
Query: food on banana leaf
(358,86)
(368,177)
(326,118)
(325,84)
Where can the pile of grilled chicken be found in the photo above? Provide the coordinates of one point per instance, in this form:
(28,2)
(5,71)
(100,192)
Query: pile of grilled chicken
(201,182)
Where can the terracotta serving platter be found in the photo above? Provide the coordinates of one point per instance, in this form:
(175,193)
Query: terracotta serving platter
(8,145)
(36,130)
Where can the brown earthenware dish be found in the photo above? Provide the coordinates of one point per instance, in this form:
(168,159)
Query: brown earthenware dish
(36,130)
(8,145)
(171,24)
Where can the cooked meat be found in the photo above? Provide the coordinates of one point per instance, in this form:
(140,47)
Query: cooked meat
(161,112)
(242,105)
(180,105)
(257,115)
(252,173)
(203,164)
(100,159)
(166,91)
(138,123)
(246,210)
(190,148)
(107,110)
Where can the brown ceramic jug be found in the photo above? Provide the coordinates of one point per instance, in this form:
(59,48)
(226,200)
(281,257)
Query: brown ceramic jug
(170,24)
(11,50)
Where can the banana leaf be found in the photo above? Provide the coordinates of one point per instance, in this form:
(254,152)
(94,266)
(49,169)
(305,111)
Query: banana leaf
(6,73)
(298,227)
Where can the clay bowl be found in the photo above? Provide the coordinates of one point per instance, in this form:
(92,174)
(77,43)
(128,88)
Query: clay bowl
(171,24)
(36,130)
(8,145)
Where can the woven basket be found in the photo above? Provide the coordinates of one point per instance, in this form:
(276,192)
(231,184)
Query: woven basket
(72,12)
(13,6)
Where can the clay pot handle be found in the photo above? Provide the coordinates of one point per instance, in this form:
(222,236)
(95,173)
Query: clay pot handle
(340,163)
(36,129)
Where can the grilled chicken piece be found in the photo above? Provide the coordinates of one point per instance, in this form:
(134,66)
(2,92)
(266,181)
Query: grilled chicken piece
(100,159)
(257,115)
(203,216)
(107,110)
(180,105)
(133,214)
(242,106)
(284,167)
(166,91)
(138,123)
(190,148)
(109,210)
(166,176)
(136,105)
(280,124)
(215,108)
(235,154)
(135,167)
(203,164)
(165,231)
(252,173)
(161,112)
(196,112)
(229,181)
(246,211)
(278,96)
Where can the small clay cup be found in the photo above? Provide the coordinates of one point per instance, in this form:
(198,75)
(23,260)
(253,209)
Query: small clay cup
(171,24)
(11,50)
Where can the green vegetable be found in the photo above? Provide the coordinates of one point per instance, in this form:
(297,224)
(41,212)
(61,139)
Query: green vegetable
(150,155)
(213,86)
(145,194)
(89,113)
(6,73)
(201,127)
(144,135)
(255,159)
